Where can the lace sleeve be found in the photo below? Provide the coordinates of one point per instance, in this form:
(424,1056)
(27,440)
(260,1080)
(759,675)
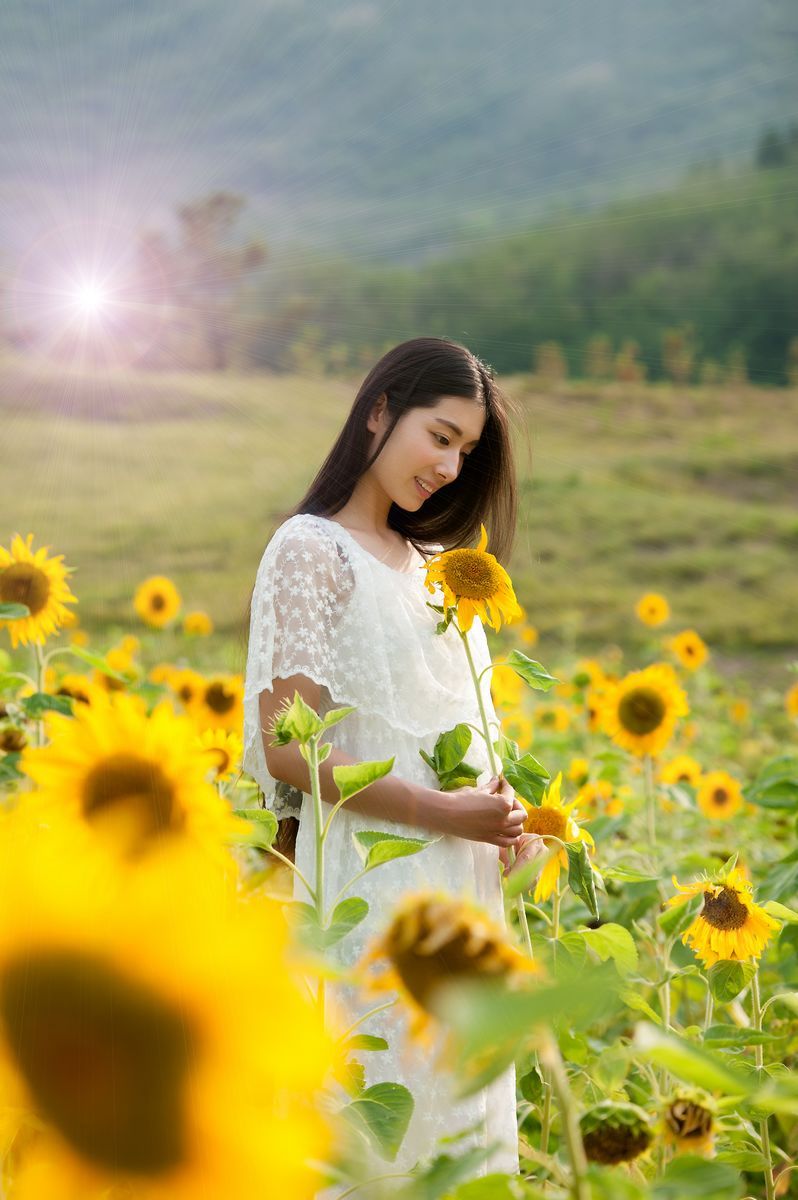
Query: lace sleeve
(303,586)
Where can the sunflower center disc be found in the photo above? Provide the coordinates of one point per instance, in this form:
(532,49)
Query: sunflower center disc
(219,699)
(460,956)
(720,796)
(106,1059)
(124,779)
(22,583)
(725,910)
(641,710)
(471,574)
(545,820)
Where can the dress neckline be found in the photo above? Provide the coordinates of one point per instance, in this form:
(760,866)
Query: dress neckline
(373,557)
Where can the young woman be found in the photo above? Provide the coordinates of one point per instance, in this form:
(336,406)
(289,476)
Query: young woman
(339,613)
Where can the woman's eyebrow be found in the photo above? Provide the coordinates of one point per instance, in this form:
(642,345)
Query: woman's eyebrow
(456,429)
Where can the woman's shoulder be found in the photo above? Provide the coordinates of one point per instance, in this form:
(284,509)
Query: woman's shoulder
(309,542)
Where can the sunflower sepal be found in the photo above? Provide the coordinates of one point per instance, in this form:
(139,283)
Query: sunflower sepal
(533,673)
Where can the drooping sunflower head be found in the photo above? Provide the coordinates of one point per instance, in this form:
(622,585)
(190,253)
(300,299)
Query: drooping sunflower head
(13,738)
(730,926)
(40,583)
(640,712)
(125,1011)
(615,1132)
(135,779)
(689,648)
(475,584)
(719,795)
(652,609)
(157,601)
(688,1122)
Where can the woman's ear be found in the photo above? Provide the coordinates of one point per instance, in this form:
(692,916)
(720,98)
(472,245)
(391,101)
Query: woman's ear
(373,422)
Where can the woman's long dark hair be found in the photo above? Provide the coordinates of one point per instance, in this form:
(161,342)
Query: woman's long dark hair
(416,374)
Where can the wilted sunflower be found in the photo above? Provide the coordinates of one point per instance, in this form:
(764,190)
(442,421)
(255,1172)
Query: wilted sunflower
(689,648)
(475,584)
(681,769)
(552,818)
(689,1122)
(719,795)
(157,601)
(127,1007)
(730,925)
(434,940)
(219,703)
(197,624)
(640,712)
(615,1132)
(135,777)
(39,582)
(223,751)
(652,609)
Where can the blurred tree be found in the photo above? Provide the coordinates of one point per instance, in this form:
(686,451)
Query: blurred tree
(598,357)
(736,366)
(792,362)
(772,149)
(678,353)
(550,363)
(628,367)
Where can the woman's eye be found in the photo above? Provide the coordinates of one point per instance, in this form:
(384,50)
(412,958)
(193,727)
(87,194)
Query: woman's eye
(442,441)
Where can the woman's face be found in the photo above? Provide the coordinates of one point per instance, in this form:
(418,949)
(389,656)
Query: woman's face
(427,447)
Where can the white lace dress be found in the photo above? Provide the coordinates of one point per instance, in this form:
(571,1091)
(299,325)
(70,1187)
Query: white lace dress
(326,608)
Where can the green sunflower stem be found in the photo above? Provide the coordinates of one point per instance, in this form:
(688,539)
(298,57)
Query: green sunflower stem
(312,748)
(39,688)
(651,811)
(496,768)
(551,1059)
(759,1058)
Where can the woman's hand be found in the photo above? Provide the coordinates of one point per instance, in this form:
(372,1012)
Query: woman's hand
(491,813)
(529,847)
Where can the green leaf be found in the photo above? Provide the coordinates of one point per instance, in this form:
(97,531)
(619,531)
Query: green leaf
(40,702)
(9,772)
(376,848)
(12,679)
(781,912)
(522,879)
(264,824)
(353,778)
(461,776)
(726,1036)
(615,942)
(452,747)
(446,1171)
(688,1062)
(14,612)
(728,978)
(580,876)
(527,776)
(366,1041)
(776,785)
(94,660)
(530,671)
(383,1113)
(335,715)
(346,916)
(627,875)
(688,1176)
(636,1002)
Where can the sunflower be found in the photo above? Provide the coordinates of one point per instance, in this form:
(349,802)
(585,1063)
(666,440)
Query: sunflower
(553,716)
(599,797)
(552,818)
(475,584)
(719,795)
(520,728)
(120,660)
(13,739)
(593,709)
(791,701)
(157,601)
(162,673)
(78,687)
(689,648)
(219,703)
(689,1122)
(127,1005)
(223,751)
(578,771)
(588,671)
(640,712)
(615,1132)
(652,609)
(197,624)
(186,684)
(681,769)
(730,925)
(507,687)
(78,637)
(432,940)
(38,582)
(135,777)
(529,635)
(739,711)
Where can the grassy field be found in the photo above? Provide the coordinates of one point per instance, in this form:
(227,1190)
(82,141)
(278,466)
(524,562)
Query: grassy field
(625,488)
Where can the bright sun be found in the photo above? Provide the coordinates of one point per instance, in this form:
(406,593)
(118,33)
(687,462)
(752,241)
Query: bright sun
(90,299)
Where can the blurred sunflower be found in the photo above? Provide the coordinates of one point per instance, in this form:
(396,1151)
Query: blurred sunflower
(162,673)
(78,637)
(40,583)
(475,584)
(653,609)
(219,703)
(121,661)
(688,1122)
(13,739)
(432,940)
(79,687)
(615,1132)
(593,709)
(598,798)
(197,624)
(223,750)
(640,712)
(520,728)
(739,711)
(689,648)
(681,769)
(529,635)
(578,771)
(552,818)
(157,601)
(589,671)
(730,925)
(791,701)
(719,795)
(187,685)
(507,687)
(126,1018)
(553,716)
(132,777)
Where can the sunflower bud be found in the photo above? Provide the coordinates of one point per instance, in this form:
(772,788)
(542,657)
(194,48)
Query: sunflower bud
(614,1133)
(12,739)
(295,721)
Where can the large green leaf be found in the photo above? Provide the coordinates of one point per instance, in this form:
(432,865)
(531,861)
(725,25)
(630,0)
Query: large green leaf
(383,1113)
(376,848)
(688,1176)
(781,912)
(776,785)
(728,978)
(723,1036)
(39,703)
(452,747)
(527,776)
(264,825)
(530,671)
(346,916)
(614,942)
(351,779)
(689,1062)
(580,876)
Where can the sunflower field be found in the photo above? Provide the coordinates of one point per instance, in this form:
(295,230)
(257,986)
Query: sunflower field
(166,1018)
